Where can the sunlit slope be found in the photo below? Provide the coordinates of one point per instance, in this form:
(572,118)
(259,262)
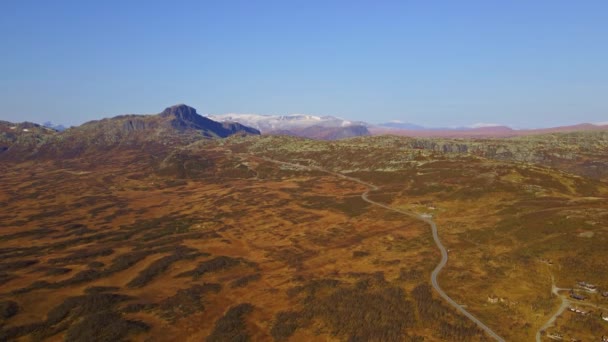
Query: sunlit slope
(218,240)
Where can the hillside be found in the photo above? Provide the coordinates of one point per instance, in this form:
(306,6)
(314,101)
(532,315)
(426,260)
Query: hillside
(176,125)
(267,238)
(25,134)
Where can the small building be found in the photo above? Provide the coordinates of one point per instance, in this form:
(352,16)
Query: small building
(492,299)
(587,287)
(577,296)
(555,336)
(578,311)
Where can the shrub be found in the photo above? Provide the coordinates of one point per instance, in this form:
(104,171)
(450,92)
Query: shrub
(161,265)
(53,271)
(100,289)
(231,326)
(82,254)
(104,327)
(285,324)
(360,254)
(186,301)
(16,265)
(216,264)
(8,309)
(243,281)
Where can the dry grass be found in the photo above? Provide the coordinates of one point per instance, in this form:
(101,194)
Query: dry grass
(176,250)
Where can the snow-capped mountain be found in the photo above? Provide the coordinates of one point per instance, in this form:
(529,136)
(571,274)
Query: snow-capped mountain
(271,123)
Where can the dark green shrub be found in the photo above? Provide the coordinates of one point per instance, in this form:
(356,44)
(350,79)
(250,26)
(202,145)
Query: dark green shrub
(8,309)
(231,326)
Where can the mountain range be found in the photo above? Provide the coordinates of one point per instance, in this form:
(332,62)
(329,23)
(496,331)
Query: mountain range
(185,119)
(481,132)
(301,125)
(330,127)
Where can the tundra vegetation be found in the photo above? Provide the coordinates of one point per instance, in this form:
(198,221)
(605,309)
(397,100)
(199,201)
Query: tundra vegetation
(216,240)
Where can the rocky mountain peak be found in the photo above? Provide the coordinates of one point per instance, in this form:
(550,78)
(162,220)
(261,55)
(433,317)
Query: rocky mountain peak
(180,111)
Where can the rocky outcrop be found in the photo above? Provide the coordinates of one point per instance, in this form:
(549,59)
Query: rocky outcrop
(20,137)
(579,152)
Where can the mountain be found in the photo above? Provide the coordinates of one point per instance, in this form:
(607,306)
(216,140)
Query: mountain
(401,125)
(180,119)
(176,125)
(331,128)
(57,127)
(309,126)
(483,132)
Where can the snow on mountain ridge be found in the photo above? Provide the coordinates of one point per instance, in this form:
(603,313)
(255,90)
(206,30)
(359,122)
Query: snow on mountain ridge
(267,123)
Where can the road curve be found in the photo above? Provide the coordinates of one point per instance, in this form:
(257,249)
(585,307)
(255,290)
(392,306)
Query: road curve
(444,252)
(439,267)
(563,306)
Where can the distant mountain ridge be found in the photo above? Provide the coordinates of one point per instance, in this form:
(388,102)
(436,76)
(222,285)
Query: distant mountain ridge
(176,125)
(180,118)
(301,125)
(57,127)
(269,123)
(330,127)
(482,132)
(401,125)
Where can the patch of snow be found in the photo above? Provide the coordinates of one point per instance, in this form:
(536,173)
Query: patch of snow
(266,123)
(26,130)
(484,125)
(14,127)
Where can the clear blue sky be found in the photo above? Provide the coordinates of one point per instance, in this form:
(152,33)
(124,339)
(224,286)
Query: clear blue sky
(437,63)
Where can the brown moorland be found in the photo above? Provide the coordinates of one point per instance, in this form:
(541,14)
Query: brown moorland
(213,239)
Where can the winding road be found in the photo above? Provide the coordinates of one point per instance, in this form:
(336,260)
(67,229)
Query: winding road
(444,252)
(565,304)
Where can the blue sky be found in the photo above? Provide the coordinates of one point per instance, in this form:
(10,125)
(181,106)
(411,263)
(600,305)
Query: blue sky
(436,63)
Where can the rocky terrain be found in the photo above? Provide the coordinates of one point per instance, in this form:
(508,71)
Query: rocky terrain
(176,125)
